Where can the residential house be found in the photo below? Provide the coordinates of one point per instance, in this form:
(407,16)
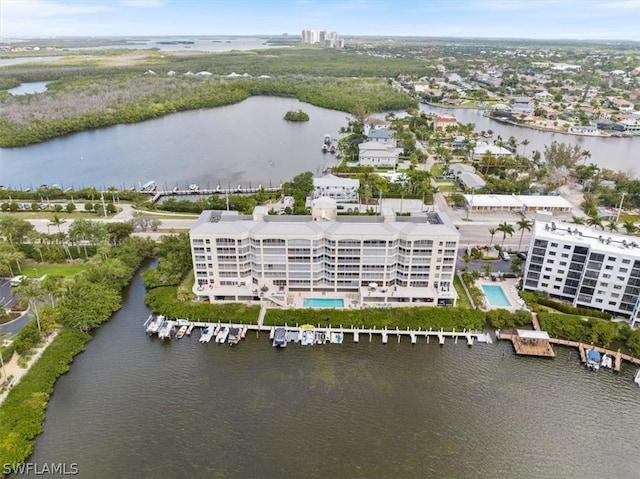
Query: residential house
(382,136)
(373,153)
(482,148)
(342,190)
(442,122)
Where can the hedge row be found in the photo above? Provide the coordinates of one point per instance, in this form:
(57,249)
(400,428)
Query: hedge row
(533,298)
(23,411)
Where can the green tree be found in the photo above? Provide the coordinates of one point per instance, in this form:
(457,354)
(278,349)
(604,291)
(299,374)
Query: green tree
(629,227)
(30,291)
(506,229)
(523,225)
(492,232)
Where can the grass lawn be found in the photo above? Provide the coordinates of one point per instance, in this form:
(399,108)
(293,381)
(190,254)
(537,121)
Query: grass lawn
(48,215)
(436,170)
(173,230)
(463,300)
(36,270)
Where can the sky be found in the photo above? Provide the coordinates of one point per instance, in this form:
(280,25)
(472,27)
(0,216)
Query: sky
(544,19)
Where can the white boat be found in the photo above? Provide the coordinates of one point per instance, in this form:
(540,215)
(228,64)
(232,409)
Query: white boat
(222,335)
(607,361)
(327,139)
(636,379)
(153,324)
(280,338)
(167,328)
(593,359)
(325,148)
(337,338)
(182,331)
(307,336)
(234,336)
(206,335)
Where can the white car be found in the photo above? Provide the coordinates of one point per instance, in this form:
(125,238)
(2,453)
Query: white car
(505,256)
(16,280)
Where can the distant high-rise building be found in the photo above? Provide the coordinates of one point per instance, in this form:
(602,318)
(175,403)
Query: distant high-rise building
(323,38)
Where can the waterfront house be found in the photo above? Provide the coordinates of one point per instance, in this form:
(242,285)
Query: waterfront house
(522,105)
(340,189)
(383,136)
(389,259)
(373,153)
(482,148)
(442,122)
(585,267)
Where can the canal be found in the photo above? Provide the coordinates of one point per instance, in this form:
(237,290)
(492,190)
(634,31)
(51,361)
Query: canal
(133,407)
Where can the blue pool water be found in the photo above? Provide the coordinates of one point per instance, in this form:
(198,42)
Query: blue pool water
(323,303)
(495,295)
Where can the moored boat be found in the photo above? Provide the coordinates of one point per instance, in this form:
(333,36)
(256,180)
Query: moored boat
(153,324)
(280,338)
(222,335)
(325,148)
(593,359)
(636,379)
(206,335)
(607,361)
(234,336)
(182,331)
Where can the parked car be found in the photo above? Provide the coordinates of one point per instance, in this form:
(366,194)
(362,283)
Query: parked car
(505,256)
(522,256)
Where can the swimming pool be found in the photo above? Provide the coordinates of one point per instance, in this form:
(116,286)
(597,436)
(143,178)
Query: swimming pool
(495,295)
(323,303)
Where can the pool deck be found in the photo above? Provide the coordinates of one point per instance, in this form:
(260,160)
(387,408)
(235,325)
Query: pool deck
(508,285)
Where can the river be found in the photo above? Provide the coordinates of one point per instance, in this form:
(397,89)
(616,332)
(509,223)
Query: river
(237,144)
(133,407)
(618,154)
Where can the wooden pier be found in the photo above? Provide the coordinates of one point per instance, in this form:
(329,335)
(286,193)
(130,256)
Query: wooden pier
(539,349)
(414,335)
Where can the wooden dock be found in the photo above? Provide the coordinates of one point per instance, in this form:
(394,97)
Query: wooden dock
(529,348)
(414,335)
(239,190)
(540,350)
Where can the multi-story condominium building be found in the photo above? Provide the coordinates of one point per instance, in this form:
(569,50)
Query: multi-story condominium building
(322,37)
(595,269)
(343,190)
(369,260)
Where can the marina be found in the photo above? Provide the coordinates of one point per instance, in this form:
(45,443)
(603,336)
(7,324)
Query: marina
(308,334)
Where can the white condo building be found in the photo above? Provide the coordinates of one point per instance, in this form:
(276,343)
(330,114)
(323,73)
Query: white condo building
(588,268)
(371,260)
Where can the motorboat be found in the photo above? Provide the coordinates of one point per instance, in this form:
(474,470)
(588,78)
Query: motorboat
(182,331)
(153,324)
(222,335)
(607,361)
(325,148)
(280,338)
(636,379)
(167,328)
(206,335)
(593,359)
(234,336)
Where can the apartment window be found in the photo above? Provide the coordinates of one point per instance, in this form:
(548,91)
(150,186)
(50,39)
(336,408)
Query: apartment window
(562,263)
(611,258)
(550,261)
(608,267)
(600,292)
(598,300)
(623,270)
(604,285)
(565,255)
(548,269)
(558,279)
(546,277)
(617,286)
(554,245)
(615,295)
(612,303)
(567,246)
(552,253)
(626,261)
(606,276)
(544,285)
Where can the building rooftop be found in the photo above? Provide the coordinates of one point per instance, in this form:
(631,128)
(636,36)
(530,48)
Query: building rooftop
(332,180)
(614,243)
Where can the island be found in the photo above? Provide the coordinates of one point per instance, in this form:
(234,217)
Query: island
(296,116)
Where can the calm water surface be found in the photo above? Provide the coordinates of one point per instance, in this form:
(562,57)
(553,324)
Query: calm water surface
(246,142)
(618,154)
(29,88)
(133,407)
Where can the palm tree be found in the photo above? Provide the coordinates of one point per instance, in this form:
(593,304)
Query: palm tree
(577,220)
(506,229)
(492,232)
(57,221)
(629,227)
(523,225)
(29,290)
(595,221)
(524,143)
(612,226)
